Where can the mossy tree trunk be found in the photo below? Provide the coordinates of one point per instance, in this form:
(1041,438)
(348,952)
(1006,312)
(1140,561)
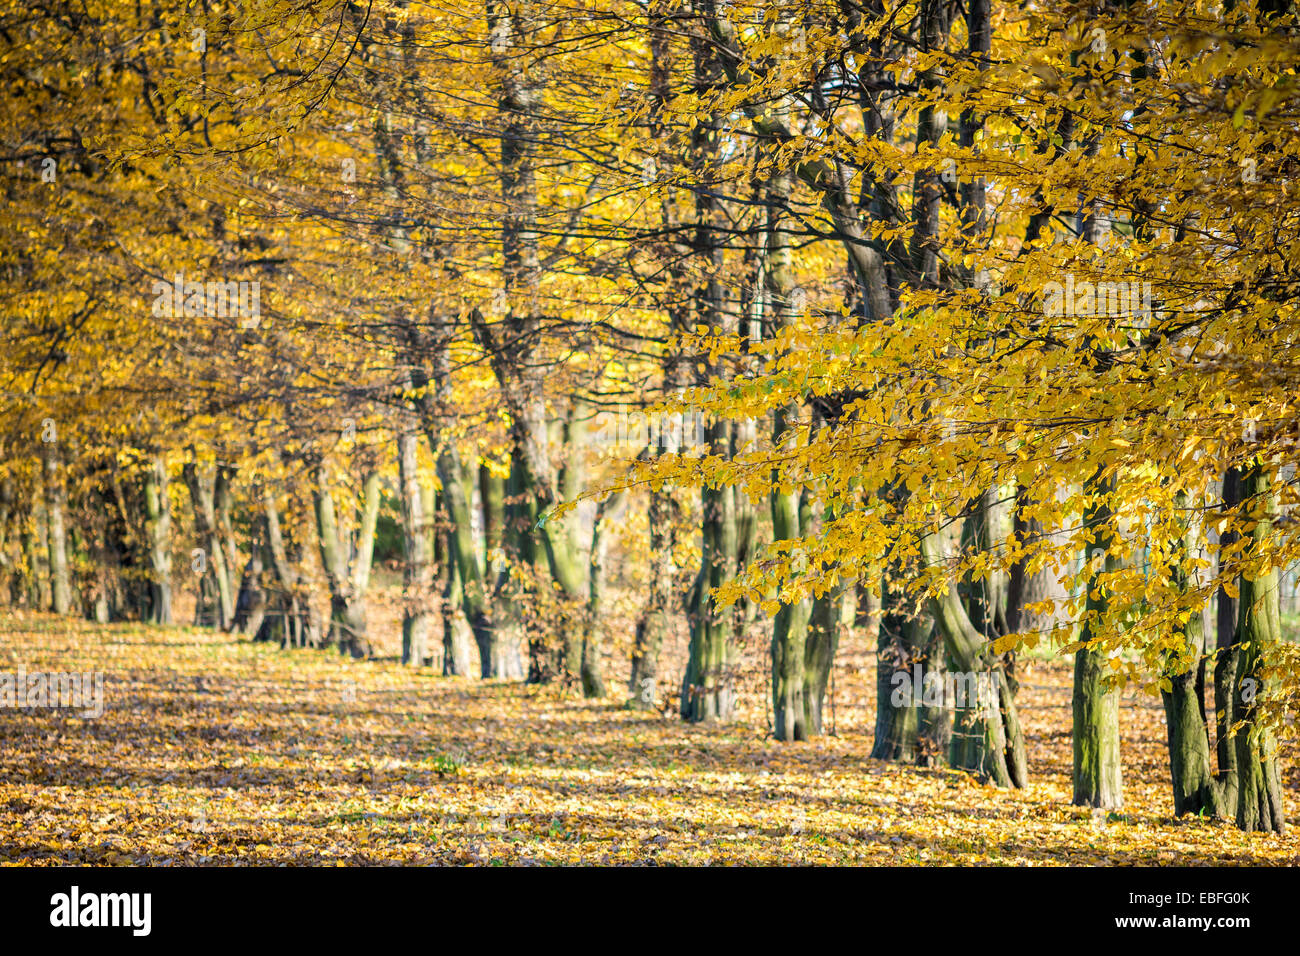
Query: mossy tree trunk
(822,642)
(562,553)
(791,509)
(1259,628)
(653,625)
(1095,705)
(708,692)
(1226,655)
(346,562)
(1196,790)
(987,739)
(913,720)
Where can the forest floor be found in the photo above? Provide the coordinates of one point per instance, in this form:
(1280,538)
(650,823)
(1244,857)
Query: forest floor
(217,750)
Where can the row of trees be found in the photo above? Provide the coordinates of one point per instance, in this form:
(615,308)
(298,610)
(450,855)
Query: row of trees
(984,313)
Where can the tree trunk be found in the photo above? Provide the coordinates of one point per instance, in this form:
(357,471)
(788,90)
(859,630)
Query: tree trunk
(215,582)
(158,514)
(819,656)
(56,505)
(986,596)
(1097,774)
(987,738)
(348,581)
(223,502)
(654,622)
(7,502)
(791,511)
(791,514)
(1025,588)
(417,571)
(35,556)
(789,646)
(492,495)
(1225,660)
(289,617)
(708,694)
(562,553)
(250,606)
(1259,628)
(662,599)
(592,667)
(913,721)
(1195,789)
(457,635)
(496,659)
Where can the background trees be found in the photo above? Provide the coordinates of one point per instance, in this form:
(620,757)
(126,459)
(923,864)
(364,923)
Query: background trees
(956,302)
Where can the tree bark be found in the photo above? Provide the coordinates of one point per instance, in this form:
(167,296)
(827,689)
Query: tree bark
(708,692)
(1195,788)
(1226,655)
(1097,773)
(497,658)
(913,719)
(289,618)
(819,656)
(348,580)
(592,666)
(987,739)
(214,578)
(1259,628)
(653,625)
(158,513)
(417,570)
(56,505)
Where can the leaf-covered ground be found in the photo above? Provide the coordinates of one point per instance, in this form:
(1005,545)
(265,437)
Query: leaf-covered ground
(215,750)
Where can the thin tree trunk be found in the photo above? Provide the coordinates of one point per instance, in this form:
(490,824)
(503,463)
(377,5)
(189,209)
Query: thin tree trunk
(654,623)
(1097,771)
(223,502)
(592,667)
(708,692)
(158,514)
